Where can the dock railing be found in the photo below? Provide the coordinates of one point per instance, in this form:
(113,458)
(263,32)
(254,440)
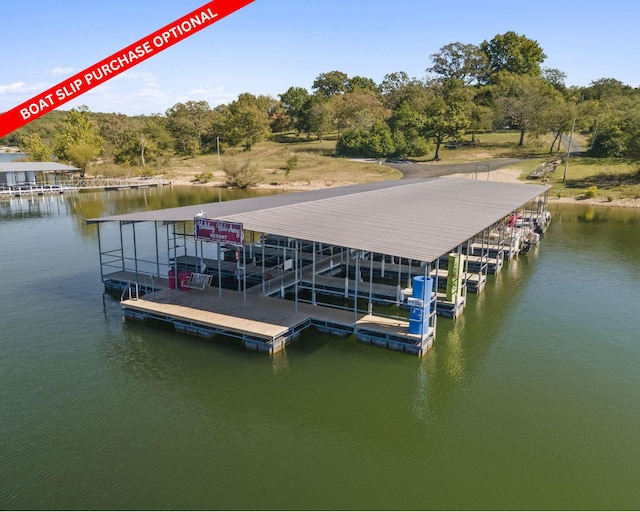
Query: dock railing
(132,295)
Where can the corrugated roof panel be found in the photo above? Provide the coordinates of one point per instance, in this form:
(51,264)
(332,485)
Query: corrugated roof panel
(417,219)
(35,167)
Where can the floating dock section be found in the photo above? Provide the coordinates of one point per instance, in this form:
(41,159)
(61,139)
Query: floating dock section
(380,261)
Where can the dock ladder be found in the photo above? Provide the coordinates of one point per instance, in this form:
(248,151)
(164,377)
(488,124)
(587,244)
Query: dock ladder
(131,290)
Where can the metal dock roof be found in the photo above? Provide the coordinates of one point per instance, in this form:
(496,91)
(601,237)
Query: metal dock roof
(417,219)
(35,167)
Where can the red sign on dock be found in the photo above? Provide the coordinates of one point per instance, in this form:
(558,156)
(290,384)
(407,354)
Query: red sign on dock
(210,230)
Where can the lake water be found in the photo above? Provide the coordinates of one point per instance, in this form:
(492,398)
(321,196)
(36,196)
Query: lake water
(528,401)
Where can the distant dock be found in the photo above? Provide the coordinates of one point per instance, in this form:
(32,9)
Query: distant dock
(65,187)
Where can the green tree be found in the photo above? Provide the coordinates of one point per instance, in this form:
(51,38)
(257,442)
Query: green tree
(480,118)
(188,123)
(611,141)
(247,120)
(379,142)
(351,143)
(115,131)
(35,148)
(619,130)
(397,88)
(555,78)
(360,82)
(278,118)
(318,116)
(80,141)
(521,101)
(155,128)
(512,53)
(606,110)
(407,124)
(557,117)
(294,99)
(330,84)
(360,108)
(606,89)
(445,114)
(465,62)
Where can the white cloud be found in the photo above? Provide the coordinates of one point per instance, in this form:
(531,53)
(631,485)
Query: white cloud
(16,88)
(129,93)
(57,71)
(16,93)
(213,95)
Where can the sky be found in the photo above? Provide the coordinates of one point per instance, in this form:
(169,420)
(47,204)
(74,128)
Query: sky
(271,45)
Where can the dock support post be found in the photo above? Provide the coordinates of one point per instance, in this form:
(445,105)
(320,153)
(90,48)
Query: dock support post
(296,275)
(284,259)
(100,252)
(426,300)
(244,273)
(355,295)
(264,277)
(219,273)
(135,250)
(155,228)
(121,245)
(346,278)
(370,306)
(433,306)
(313,275)
(195,247)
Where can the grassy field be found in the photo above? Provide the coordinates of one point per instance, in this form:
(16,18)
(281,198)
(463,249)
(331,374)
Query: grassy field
(293,162)
(290,163)
(613,178)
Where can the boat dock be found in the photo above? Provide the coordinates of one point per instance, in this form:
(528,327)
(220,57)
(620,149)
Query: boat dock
(328,259)
(34,189)
(266,324)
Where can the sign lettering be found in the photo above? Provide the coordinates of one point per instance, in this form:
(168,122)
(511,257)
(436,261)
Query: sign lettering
(117,63)
(210,230)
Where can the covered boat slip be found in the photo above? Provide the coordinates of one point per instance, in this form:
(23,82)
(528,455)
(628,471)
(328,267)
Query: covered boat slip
(346,260)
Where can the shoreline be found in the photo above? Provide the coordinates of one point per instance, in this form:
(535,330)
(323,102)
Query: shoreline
(503,175)
(512,175)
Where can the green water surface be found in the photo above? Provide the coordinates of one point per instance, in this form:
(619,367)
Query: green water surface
(528,401)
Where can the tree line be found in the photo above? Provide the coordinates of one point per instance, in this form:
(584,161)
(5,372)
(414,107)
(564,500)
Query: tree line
(499,83)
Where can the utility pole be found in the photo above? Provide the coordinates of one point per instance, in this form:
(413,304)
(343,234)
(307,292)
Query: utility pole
(566,162)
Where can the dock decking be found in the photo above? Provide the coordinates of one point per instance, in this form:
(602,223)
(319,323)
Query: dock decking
(267,324)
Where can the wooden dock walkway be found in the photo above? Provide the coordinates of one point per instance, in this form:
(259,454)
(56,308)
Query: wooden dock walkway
(64,187)
(267,324)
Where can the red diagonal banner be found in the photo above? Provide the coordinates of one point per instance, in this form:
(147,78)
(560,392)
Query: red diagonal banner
(117,63)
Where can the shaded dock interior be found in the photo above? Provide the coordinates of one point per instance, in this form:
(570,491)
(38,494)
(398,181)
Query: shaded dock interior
(333,259)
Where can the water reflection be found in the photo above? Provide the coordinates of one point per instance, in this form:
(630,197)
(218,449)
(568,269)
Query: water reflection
(18,208)
(462,345)
(280,363)
(83,205)
(92,205)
